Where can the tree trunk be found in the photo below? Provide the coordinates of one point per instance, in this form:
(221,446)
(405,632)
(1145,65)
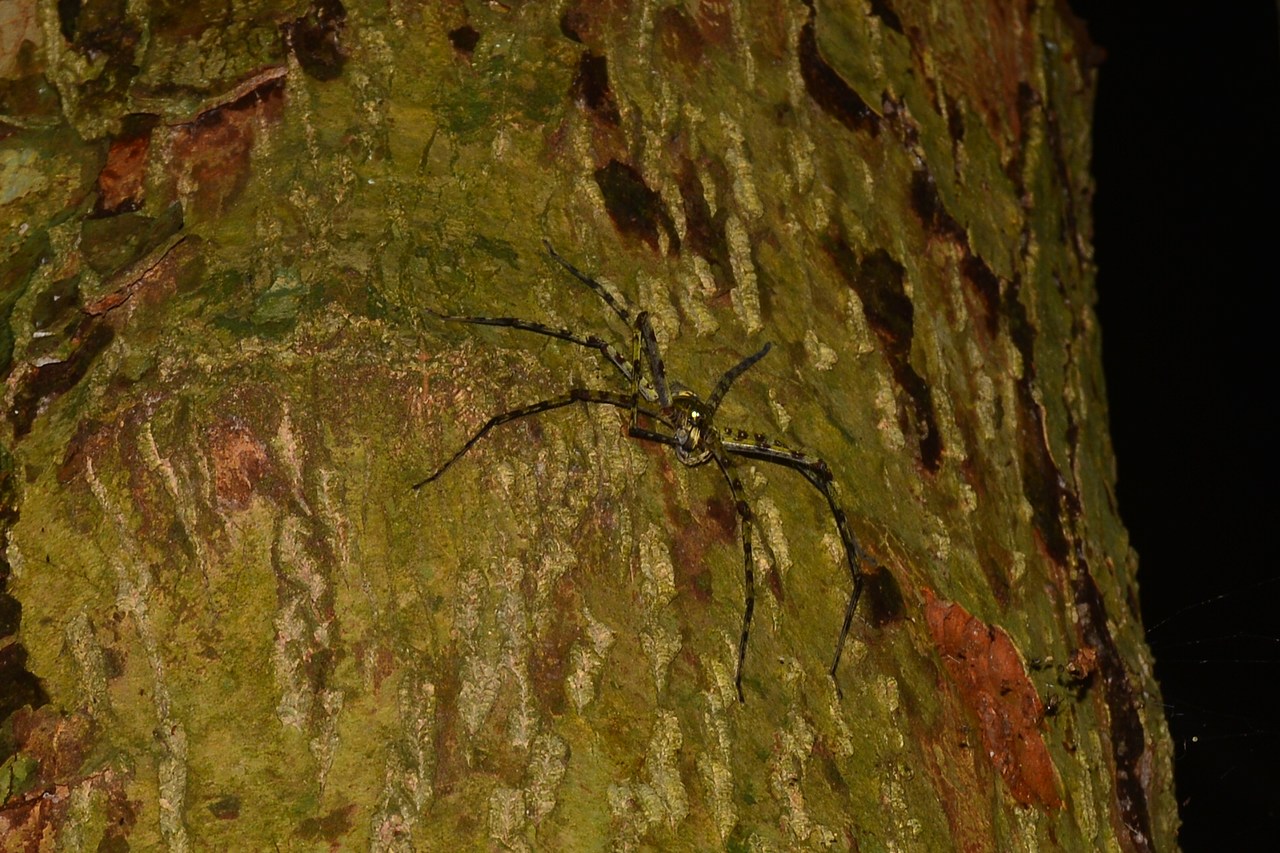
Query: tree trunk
(226,231)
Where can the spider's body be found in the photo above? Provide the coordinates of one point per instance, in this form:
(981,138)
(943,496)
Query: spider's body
(689,416)
(689,424)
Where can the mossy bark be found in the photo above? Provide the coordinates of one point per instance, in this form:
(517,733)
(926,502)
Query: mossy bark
(225,228)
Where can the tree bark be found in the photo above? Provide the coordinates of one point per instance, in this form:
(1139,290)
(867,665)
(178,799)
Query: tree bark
(232,624)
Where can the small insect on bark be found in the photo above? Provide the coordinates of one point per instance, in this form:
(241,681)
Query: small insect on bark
(667,412)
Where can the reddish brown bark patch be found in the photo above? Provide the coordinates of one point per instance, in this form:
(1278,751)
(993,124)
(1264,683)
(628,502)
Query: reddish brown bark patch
(715,21)
(154,281)
(239,462)
(56,745)
(694,538)
(678,38)
(89,441)
(57,742)
(993,684)
(450,732)
(552,651)
(212,152)
(120,183)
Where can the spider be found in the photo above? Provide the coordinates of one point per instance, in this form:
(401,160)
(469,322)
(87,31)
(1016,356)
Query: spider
(690,428)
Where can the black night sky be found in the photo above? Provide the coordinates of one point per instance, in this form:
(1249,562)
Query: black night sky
(1186,161)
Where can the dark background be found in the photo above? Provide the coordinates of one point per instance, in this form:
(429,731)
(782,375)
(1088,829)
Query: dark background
(1185,159)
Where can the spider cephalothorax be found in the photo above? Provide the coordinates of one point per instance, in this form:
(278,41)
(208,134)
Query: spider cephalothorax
(690,427)
(690,417)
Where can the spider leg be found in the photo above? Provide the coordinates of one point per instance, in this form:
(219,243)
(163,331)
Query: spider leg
(641,341)
(595,342)
(619,308)
(634,405)
(637,372)
(575,395)
(817,473)
(654,355)
(642,325)
(745,518)
(722,387)
(758,446)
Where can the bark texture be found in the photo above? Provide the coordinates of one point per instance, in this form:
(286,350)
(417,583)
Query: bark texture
(230,624)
